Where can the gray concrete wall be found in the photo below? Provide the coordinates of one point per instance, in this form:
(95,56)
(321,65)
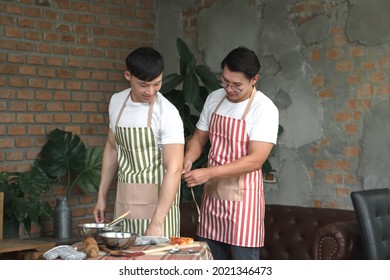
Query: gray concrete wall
(326,65)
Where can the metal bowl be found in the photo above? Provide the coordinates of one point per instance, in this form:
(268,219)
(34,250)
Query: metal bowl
(118,240)
(94,229)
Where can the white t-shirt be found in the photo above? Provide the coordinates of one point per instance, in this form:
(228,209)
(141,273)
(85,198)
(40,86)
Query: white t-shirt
(262,120)
(166,123)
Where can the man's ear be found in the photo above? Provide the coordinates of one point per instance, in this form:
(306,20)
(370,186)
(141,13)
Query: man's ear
(254,80)
(127,75)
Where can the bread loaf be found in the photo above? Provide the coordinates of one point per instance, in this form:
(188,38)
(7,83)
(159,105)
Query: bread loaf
(91,247)
(89,240)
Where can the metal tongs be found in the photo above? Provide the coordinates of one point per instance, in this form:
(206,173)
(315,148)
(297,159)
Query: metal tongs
(119,219)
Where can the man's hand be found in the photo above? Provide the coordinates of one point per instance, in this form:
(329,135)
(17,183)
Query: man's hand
(196,177)
(153,230)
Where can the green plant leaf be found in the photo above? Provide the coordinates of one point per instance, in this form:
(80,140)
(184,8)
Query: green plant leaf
(170,82)
(34,210)
(185,114)
(266,168)
(22,197)
(176,97)
(184,69)
(27,224)
(12,193)
(63,153)
(24,200)
(185,54)
(3,177)
(46,210)
(190,88)
(34,182)
(199,102)
(89,179)
(207,77)
(280,130)
(19,208)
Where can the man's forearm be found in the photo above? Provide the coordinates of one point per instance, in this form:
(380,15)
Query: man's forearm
(173,162)
(109,169)
(168,190)
(195,146)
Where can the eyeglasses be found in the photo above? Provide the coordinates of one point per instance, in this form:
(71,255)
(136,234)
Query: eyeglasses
(234,88)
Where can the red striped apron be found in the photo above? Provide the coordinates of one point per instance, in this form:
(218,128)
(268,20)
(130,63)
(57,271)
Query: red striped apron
(233,208)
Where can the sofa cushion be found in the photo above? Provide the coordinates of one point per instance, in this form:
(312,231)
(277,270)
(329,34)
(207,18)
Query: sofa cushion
(290,230)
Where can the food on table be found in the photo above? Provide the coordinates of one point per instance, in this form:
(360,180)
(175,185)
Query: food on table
(91,247)
(175,240)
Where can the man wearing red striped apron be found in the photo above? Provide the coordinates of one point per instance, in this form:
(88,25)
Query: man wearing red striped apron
(145,148)
(241,124)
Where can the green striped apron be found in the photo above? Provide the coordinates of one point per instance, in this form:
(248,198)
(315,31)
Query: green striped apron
(140,175)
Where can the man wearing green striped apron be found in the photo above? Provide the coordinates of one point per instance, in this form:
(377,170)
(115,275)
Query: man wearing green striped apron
(144,148)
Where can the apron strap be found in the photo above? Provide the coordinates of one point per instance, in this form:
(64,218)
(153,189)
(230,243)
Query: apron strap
(150,112)
(248,106)
(196,204)
(219,104)
(122,108)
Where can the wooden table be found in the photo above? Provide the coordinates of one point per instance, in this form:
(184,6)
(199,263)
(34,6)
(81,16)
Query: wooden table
(20,246)
(202,252)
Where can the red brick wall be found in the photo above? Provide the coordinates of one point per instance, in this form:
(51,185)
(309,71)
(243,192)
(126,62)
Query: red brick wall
(60,62)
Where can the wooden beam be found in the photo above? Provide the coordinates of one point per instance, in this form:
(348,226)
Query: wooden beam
(15,245)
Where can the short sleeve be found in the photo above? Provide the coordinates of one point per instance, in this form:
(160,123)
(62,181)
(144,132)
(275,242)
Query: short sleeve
(171,125)
(264,121)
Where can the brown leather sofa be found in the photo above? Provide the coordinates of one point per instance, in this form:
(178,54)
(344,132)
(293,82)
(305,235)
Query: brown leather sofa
(298,233)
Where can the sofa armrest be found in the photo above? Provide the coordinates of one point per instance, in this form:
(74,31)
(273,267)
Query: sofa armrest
(338,241)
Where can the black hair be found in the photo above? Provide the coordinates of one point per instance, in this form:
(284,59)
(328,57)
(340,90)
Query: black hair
(145,63)
(242,60)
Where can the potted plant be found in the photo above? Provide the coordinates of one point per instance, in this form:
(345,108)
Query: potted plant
(66,159)
(23,202)
(65,156)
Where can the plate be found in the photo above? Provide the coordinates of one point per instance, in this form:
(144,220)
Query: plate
(150,240)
